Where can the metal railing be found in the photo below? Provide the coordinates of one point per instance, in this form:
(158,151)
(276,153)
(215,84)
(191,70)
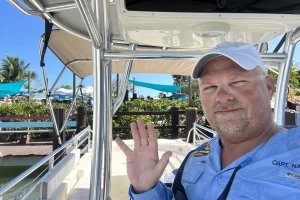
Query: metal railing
(75,142)
(199,136)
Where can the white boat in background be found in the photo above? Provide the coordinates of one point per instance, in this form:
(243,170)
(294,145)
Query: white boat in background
(98,38)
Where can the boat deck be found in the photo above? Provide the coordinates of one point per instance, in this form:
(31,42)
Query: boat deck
(119,179)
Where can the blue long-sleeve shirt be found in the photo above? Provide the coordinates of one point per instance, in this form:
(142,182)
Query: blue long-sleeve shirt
(272,173)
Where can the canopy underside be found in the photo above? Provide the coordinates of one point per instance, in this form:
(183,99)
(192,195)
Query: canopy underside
(69,48)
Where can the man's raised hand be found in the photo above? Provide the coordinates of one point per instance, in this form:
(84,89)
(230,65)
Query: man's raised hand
(143,165)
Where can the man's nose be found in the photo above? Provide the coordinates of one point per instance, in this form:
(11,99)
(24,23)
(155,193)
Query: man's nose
(224,94)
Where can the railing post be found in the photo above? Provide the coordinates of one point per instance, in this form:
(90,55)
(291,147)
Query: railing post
(28,134)
(54,137)
(194,133)
(175,122)
(51,163)
(190,118)
(60,115)
(89,141)
(81,119)
(76,141)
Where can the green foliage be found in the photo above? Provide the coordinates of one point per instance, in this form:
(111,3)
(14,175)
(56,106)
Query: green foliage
(68,87)
(161,95)
(23,109)
(26,109)
(140,105)
(13,69)
(116,83)
(294,77)
(179,79)
(297,93)
(137,105)
(195,92)
(185,81)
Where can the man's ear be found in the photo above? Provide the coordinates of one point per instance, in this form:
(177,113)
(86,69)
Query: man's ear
(270,84)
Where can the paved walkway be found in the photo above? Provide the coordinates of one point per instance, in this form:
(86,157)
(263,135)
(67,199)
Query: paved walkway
(30,149)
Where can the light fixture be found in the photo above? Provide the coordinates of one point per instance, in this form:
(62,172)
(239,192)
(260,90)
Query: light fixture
(211,30)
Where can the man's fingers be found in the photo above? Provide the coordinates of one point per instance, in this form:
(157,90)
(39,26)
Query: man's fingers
(143,132)
(152,136)
(162,163)
(126,150)
(135,135)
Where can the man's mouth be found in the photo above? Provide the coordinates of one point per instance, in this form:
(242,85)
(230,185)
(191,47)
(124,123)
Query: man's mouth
(227,110)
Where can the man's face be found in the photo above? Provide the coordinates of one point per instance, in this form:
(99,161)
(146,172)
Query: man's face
(235,101)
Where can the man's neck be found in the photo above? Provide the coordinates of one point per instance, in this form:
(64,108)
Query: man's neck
(232,151)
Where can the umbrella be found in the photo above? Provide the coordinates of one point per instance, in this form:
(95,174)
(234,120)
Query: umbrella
(64,90)
(178,96)
(88,90)
(22,94)
(63,95)
(58,93)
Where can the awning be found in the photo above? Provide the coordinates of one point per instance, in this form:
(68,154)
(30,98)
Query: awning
(69,48)
(10,88)
(159,87)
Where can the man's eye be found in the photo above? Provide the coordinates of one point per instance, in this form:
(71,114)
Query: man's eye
(210,88)
(238,83)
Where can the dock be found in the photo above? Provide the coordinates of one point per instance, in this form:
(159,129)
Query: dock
(14,154)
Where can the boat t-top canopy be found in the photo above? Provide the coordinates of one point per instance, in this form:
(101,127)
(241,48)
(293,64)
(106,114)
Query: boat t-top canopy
(161,31)
(76,54)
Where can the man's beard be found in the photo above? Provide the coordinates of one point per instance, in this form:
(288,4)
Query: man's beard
(235,120)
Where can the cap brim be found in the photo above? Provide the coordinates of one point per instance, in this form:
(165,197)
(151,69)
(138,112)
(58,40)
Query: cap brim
(201,63)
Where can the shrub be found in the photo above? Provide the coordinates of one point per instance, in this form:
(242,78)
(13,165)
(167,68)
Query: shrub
(140,105)
(137,105)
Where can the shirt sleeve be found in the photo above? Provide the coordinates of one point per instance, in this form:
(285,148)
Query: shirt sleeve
(159,192)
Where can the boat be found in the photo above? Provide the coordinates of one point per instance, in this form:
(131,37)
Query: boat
(98,38)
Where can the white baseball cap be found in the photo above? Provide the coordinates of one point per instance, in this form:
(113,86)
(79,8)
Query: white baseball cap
(244,54)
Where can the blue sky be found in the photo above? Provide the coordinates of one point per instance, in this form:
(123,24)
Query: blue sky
(20,34)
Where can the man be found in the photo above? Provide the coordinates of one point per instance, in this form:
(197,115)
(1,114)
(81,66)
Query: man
(89,102)
(251,158)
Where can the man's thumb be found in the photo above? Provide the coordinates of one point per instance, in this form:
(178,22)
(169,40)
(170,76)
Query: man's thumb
(162,163)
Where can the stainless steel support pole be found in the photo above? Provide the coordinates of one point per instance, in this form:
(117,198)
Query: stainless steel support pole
(90,21)
(154,55)
(295,37)
(101,112)
(104,8)
(127,71)
(60,6)
(57,79)
(282,81)
(22,8)
(98,125)
(70,109)
(51,107)
(93,19)
(108,137)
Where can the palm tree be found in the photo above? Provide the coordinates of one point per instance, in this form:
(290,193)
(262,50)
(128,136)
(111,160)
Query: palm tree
(294,76)
(13,70)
